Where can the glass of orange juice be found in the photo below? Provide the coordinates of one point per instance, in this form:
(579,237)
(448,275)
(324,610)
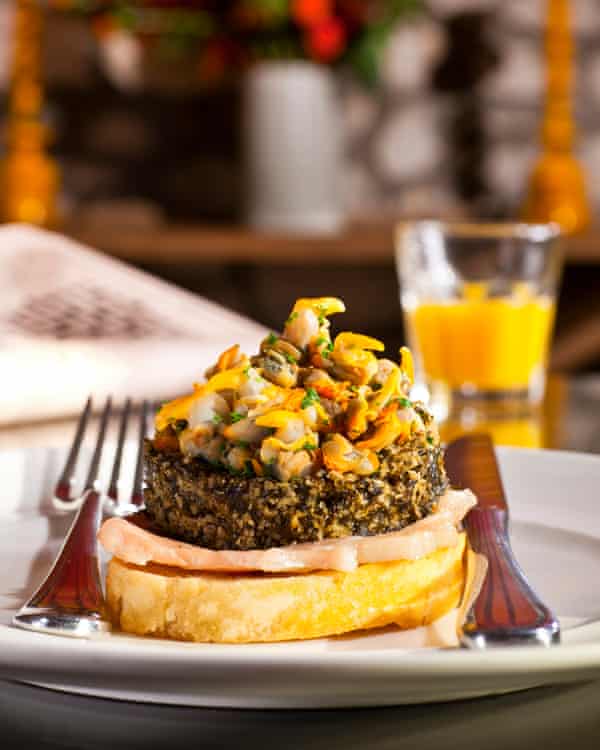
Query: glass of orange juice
(479,303)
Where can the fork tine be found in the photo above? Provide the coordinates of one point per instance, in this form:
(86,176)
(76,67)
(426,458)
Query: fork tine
(113,487)
(137,495)
(64,485)
(95,462)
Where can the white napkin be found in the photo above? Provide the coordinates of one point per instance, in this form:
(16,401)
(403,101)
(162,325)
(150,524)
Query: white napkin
(75,322)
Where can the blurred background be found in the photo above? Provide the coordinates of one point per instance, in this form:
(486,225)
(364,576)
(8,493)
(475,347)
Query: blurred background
(254,151)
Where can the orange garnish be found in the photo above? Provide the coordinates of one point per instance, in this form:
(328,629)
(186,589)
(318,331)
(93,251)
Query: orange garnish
(293,399)
(175,410)
(228,357)
(385,435)
(321,306)
(406,364)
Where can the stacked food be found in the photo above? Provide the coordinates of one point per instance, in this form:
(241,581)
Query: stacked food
(295,494)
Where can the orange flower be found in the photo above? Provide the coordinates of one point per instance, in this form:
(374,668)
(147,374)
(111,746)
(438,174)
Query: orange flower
(309,13)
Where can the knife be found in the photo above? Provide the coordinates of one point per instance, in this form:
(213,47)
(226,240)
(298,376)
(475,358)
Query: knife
(507,611)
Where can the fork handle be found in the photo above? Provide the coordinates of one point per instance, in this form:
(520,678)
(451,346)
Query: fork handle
(70,600)
(507,611)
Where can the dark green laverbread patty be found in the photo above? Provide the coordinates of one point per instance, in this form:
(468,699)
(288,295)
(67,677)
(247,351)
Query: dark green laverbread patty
(196,502)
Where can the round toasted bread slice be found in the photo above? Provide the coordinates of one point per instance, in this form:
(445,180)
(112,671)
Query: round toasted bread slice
(226,608)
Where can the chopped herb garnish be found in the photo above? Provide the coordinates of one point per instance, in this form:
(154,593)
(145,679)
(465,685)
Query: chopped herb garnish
(405,402)
(354,388)
(312,397)
(429,439)
(376,387)
(272,339)
(290,359)
(327,345)
(217,419)
(308,446)
(235,416)
(246,370)
(242,444)
(249,469)
(326,352)
(322,310)
(291,319)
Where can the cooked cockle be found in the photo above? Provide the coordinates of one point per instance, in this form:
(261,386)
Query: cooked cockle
(245,429)
(308,320)
(278,369)
(281,345)
(340,455)
(303,402)
(352,359)
(208,409)
(203,441)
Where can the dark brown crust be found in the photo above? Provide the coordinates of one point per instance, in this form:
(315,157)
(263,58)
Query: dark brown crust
(196,502)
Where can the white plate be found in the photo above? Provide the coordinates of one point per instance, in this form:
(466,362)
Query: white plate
(556,535)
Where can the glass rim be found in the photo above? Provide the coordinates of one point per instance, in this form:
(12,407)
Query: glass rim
(483,229)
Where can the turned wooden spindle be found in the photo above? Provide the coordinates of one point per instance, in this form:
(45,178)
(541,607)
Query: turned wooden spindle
(556,190)
(29,178)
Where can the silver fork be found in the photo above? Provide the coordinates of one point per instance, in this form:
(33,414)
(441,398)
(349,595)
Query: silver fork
(70,600)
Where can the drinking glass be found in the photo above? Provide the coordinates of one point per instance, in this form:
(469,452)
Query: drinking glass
(479,304)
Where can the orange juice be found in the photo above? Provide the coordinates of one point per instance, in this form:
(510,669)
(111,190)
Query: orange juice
(481,342)
(526,432)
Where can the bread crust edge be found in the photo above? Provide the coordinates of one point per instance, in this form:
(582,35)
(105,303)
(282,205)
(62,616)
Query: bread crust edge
(257,608)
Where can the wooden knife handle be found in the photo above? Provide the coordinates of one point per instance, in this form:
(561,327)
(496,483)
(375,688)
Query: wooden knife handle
(507,611)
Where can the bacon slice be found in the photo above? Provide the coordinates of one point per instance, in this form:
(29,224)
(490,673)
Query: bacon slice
(139,546)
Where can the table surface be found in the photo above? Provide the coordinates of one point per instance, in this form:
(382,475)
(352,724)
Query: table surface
(544,717)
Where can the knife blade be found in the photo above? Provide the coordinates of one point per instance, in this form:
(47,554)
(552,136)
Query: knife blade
(507,611)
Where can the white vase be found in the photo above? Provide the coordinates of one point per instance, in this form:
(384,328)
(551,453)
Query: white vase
(292,138)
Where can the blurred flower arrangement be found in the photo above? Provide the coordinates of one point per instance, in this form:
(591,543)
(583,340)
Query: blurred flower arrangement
(227,36)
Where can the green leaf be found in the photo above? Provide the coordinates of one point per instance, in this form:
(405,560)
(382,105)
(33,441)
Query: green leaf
(367,53)
(312,397)
(235,416)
